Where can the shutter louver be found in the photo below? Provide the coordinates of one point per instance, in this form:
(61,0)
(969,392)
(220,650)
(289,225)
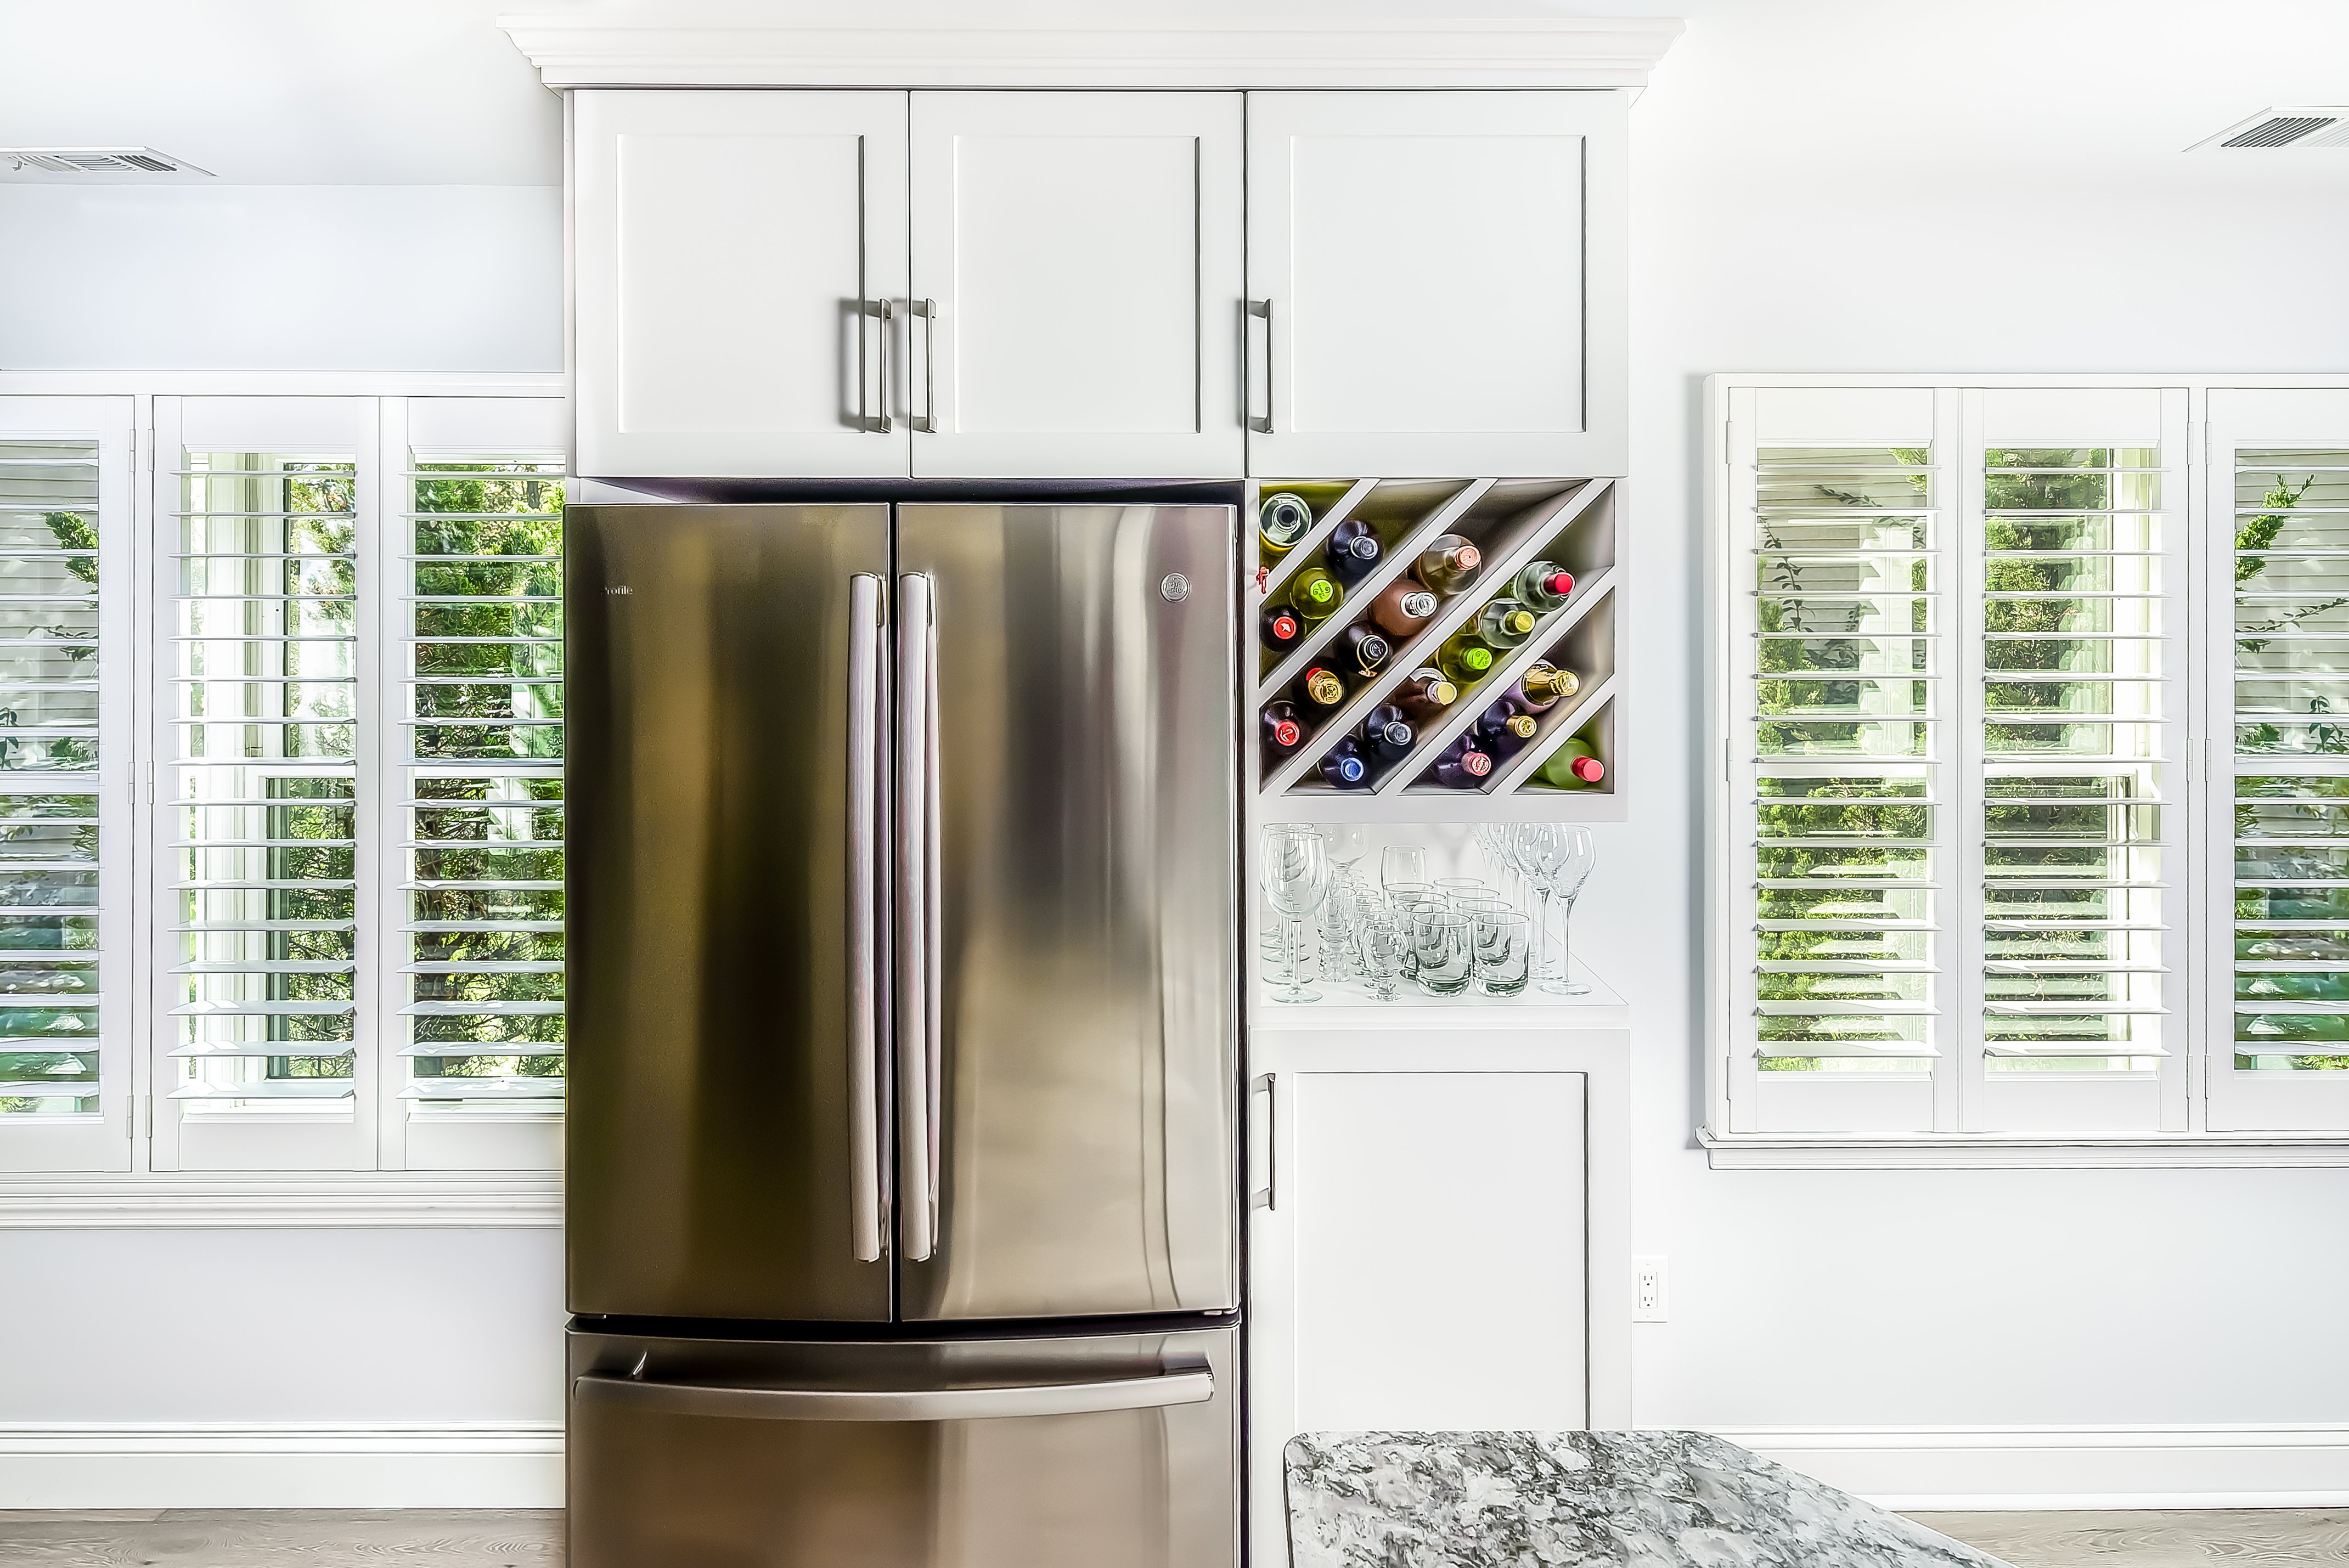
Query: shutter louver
(484,773)
(262,791)
(1845,738)
(49,842)
(2291,936)
(2072,749)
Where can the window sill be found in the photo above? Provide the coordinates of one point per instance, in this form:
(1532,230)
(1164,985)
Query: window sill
(1987,1152)
(503,1199)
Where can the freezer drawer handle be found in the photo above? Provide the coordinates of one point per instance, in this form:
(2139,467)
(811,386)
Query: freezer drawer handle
(865,1135)
(1186,1386)
(919,955)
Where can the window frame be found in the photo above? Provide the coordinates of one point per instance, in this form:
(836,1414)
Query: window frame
(127,1183)
(2199,487)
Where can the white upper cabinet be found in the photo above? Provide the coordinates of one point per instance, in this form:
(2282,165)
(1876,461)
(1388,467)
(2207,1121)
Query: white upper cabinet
(732,250)
(1438,283)
(1077,276)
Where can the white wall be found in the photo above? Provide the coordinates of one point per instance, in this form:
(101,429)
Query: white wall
(1820,185)
(1830,185)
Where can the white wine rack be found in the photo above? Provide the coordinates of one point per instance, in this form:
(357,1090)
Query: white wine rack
(1574,521)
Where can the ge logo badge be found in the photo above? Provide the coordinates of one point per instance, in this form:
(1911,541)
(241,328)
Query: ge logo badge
(1174,588)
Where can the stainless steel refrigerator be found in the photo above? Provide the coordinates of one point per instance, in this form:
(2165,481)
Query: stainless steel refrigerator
(902,1180)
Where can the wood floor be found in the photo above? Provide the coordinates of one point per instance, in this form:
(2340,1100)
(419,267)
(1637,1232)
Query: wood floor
(420,1538)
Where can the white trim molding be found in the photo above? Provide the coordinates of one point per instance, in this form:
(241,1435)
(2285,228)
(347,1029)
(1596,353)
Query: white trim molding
(575,51)
(279,1464)
(2284,1465)
(162,1200)
(2005,1151)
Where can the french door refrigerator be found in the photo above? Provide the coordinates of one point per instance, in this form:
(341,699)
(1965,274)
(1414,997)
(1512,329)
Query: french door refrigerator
(902,1181)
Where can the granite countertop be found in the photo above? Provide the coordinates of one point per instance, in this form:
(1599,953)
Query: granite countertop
(1531,1499)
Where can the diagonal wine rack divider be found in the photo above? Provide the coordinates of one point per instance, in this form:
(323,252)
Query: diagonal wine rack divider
(1535,526)
(1392,565)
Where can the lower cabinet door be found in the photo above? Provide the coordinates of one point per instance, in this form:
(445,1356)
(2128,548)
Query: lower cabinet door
(1100,1451)
(1421,1264)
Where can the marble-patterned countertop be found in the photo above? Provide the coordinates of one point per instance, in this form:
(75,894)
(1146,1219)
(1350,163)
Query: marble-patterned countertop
(1621,1500)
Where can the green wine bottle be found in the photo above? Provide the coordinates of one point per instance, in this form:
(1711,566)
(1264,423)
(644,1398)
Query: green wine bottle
(1504,623)
(1315,594)
(1281,520)
(1465,657)
(1573,765)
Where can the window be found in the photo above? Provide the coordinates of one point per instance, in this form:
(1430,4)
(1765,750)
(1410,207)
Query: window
(1953,887)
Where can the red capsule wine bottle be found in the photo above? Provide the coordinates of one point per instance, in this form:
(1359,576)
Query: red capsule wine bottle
(1404,606)
(1573,765)
(1543,586)
(1343,765)
(1387,733)
(1353,550)
(1463,766)
(1280,628)
(1425,695)
(1368,649)
(1282,731)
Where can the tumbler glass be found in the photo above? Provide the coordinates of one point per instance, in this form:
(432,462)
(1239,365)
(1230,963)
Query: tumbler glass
(1440,942)
(1504,951)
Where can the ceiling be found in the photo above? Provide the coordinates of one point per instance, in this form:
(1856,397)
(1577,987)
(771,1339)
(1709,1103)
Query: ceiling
(429,92)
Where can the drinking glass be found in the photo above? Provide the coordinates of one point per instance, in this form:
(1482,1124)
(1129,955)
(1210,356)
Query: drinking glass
(1440,942)
(1577,856)
(1342,919)
(1539,850)
(1455,888)
(1409,911)
(1400,863)
(1502,953)
(1295,875)
(1385,948)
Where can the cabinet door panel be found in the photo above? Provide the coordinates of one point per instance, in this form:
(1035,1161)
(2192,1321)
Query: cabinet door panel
(1445,278)
(724,243)
(1083,253)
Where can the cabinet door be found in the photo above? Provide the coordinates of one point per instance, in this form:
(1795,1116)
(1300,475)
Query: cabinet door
(1440,282)
(1421,1264)
(1077,282)
(731,253)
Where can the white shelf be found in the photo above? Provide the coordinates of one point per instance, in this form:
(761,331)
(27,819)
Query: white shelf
(1348,1004)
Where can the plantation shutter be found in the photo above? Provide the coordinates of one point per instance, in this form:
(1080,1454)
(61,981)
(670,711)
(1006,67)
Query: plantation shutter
(480,743)
(65,655)
(2278,1017)
(264,791)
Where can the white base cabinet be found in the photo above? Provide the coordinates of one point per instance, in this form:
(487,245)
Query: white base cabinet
(1427,1211)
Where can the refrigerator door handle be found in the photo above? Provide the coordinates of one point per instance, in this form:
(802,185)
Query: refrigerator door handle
(917,915)
(865,1138)
(1176,1386)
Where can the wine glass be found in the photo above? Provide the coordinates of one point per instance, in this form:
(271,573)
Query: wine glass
(1341,914)
(1577,855)
(1539,850)
(1295,870)
(1402,863)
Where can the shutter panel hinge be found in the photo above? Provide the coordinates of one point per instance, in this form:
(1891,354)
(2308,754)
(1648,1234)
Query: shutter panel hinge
(148,1101)
(129,1116)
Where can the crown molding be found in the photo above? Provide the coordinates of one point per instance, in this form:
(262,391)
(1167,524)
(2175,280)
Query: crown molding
(571,51)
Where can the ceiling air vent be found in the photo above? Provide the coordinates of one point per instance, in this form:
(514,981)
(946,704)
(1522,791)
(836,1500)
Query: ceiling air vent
(94,160)
(2293,127)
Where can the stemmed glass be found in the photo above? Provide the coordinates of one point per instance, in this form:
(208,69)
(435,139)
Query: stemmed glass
(1294,866)
(1492,843)
(1341,915)
(1577,856)
(1400,863)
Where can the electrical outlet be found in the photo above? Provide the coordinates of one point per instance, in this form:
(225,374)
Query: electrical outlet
(1651,1289)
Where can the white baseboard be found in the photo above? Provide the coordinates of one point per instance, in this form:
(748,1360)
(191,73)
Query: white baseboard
(1966,1468)
(281,1465)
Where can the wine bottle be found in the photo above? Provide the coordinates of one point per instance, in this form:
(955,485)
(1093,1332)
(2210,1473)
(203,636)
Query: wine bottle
(1450,564)
(1368,649)
(1314,595)
(1282,732)
(1281,519)
(1539,689)
(1320,687)
(1387,733)
(1543,585)
(1504,623)
(1425,695)
(1462,765)
(1353,551)
(1343,765)
(1280,628)
(1404,606)
(1503,728)
(1466,657)
(1574,765)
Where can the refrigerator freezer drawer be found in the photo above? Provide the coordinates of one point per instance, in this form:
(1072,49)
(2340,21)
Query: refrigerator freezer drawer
(1096,1451)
